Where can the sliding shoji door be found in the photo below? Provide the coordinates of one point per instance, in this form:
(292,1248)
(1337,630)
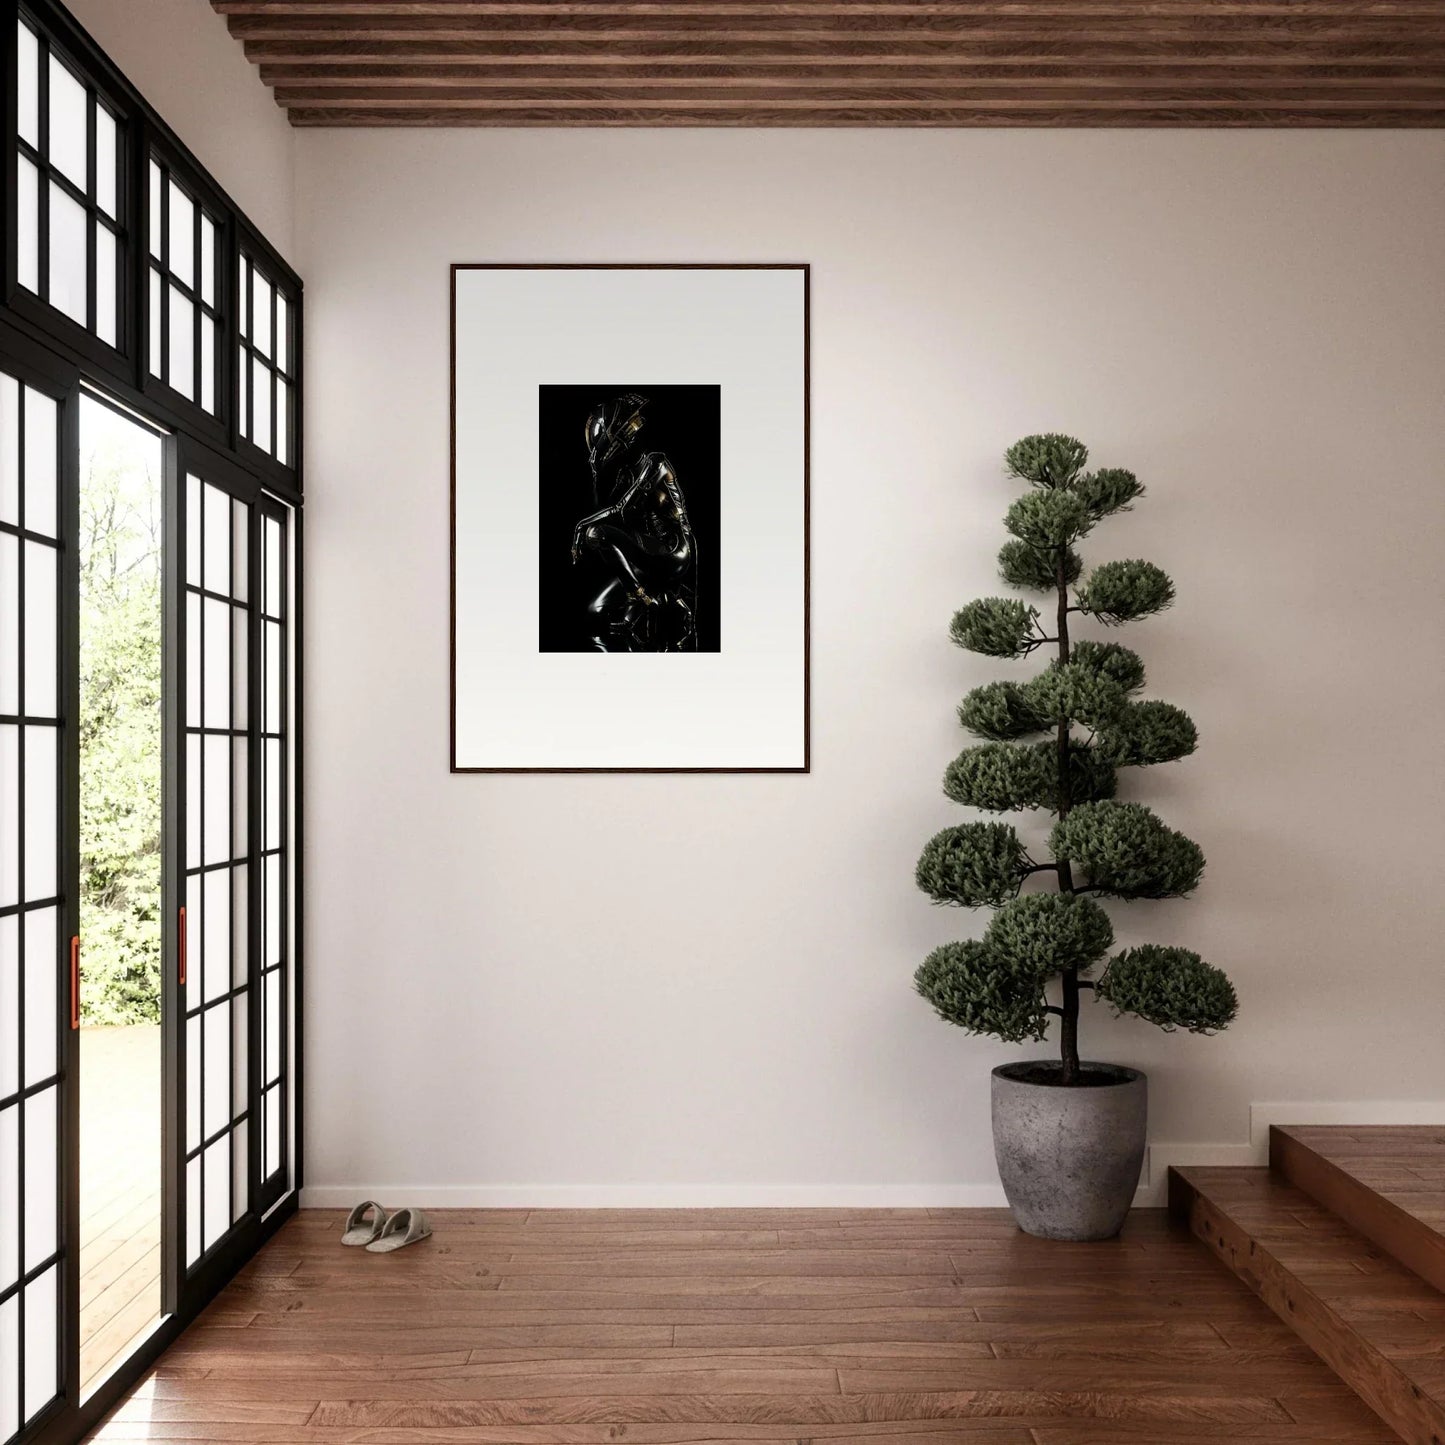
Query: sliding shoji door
(230,1040)
(38,1001)
(209,1160)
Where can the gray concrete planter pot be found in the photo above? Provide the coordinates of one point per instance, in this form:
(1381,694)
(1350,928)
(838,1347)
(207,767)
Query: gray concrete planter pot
(1070,1158)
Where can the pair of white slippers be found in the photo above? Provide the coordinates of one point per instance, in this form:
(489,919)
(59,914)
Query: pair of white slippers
(370,1226)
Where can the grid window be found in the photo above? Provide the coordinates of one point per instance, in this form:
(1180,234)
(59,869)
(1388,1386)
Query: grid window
(30,942)
(265,360)
(218,861)
(184,290)
(70,240)
(274,846)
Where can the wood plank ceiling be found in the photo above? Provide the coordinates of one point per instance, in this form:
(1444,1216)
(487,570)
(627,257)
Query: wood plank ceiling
(849,62)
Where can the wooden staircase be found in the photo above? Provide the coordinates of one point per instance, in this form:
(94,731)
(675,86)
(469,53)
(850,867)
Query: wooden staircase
(1343,1236)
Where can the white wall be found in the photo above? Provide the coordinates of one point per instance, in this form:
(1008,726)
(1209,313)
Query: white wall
(181,57)
(621,984)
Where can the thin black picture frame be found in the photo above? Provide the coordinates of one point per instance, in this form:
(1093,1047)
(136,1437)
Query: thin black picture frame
(801,266)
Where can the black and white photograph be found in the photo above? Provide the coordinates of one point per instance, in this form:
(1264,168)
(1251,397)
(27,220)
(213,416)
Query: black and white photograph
(629,476)
(627,518)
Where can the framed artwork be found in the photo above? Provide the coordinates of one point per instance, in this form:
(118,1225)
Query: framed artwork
(629,516)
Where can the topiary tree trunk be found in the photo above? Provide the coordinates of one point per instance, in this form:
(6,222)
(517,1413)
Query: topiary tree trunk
(1033,759)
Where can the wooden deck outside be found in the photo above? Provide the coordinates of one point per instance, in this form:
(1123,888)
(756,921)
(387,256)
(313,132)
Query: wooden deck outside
(661,1327)
(120,1194)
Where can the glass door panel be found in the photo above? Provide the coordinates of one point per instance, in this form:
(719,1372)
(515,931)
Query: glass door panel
(218,901)
(36,908)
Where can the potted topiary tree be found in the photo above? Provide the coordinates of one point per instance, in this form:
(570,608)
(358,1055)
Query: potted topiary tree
(1068,1135)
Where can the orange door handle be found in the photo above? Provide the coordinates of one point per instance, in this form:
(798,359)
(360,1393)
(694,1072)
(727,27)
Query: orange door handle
(75,983)
(181,948)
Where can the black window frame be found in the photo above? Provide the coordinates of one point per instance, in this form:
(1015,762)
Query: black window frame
(41,344)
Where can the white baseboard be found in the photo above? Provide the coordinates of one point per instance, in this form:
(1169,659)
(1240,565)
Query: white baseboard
(1157,1159)
(660,1196)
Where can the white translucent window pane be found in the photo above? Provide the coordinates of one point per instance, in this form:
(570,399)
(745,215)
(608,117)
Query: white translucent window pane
(193,1210)
(9,625)
(240,1165)
(9,1365)
(9,451)
(40,813)
(68,289)
(273,567)
(193,660)
(208,364)
(272,832)
(217,683)
(208,260)
(272,953)
(182,258)
(105,296)
(41,999)
(195,914)
(218,806)
(105,160)
(218,541)
(68,106)
(217,1086)
(154,191)
(272,717)
(261,315)
(40,462)
(272,1026)
(283,332)
(157,329)
(193,530)
(9,815)
(9,1199)
(9,1022)
(240,786)
(260,404)
(243,378)
(39,1301)
(218,1190)
(243,315)
(193,1082)
(240,924)
(273,1132)
(239,668)
(41,1163)
(40,609)
(193,800)
(218,934)
(283,423)
(27,223)
(240,557)
(181,372)
(27,83)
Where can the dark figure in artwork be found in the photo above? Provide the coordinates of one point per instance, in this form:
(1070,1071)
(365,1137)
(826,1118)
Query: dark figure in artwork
(639,539)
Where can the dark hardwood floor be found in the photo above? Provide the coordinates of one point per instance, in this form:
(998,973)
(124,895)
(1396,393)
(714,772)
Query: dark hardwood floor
(664,1327)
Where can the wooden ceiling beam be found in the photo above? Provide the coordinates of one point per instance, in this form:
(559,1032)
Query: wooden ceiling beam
(861,76)
(843,32)
(614,11)
(1054,117)
(1072,53)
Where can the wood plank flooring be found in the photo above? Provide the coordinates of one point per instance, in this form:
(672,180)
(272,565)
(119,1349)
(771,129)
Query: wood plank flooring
(672,1327)
(120,1194)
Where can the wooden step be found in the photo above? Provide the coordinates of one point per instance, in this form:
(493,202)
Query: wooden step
(1377,1324)
(1388,1182)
